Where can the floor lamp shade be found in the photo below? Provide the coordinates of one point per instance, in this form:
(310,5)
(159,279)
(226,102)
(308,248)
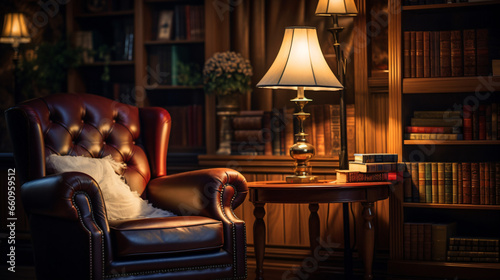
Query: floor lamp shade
(336,7)
(300,64)
(14,29)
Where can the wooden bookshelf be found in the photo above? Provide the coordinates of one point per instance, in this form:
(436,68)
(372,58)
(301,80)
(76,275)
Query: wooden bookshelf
(111,63)
(407,95)
(172,42)
(451,84)
(443,269)
(451,206)
(105,14)
(449,5)
(452,142)
(168,87)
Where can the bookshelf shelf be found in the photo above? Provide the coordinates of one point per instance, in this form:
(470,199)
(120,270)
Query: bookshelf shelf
(172,42)
(169,87)
(465,270)
(105,14)
(451,84)
(451,142)
(111,63)
(448,6)
(451,206)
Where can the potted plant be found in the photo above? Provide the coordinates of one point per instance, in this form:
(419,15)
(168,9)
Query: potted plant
(227,75)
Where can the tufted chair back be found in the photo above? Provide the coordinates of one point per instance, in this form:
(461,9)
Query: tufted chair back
(92,126)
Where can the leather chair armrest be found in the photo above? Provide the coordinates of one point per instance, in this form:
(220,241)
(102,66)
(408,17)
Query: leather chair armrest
(66,195)
(213,193)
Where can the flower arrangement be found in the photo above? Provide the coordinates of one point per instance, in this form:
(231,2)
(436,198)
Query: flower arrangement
(227,73)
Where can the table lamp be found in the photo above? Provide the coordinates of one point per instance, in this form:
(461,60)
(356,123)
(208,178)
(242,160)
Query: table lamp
(300,65)
(15,32)
(336,8)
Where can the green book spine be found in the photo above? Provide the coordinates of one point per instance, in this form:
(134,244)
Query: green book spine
(421,182)
(448,183)
(428,182)
(454,168)
(460,184)
(440,182)
(435,193)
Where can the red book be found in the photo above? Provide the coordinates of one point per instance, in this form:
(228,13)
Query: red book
(482,122)
(469,52)
(488,121)
(427,242)
(407,241)
(456,53)
(420,242)
(419,53)
(413,50)
(493,183)
(497,182)
(406,54)
(467,115)
(432,51)
(435,59)
(482,191)
(482,58)
(414,241)
(432,129)
(474,178)
(486,183)
(445,53)
(466,182)
(426,47)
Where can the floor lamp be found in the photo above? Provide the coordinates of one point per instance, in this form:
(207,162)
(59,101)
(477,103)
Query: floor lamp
(15,32)
(336,8)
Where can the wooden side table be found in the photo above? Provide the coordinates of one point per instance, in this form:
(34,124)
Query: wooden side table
(312,194)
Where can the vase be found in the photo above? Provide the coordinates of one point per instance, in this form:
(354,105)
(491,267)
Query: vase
(228,106)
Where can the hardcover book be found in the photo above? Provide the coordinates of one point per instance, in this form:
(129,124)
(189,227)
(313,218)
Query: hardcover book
(376,167)
(376,157)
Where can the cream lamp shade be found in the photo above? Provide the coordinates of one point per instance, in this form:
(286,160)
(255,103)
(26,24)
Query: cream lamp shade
(14,30)
(300,64)
(336,7)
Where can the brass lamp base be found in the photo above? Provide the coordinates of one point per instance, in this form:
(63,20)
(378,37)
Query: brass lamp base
(301,179)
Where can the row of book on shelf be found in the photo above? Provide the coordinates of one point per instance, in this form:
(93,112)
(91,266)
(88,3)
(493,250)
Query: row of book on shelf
(454,53)
(272,132)
(430,2)
(121,46)
(471,123)
(183,22)
(452,182)
(439,242)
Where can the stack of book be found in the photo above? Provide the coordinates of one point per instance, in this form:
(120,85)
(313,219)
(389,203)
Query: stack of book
(453,182)
(473,250)
(479,122)
(454,53)
(249,134)
(427,241)
(371,168)
(435,125)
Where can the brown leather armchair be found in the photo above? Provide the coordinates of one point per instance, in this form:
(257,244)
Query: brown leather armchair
(71,235)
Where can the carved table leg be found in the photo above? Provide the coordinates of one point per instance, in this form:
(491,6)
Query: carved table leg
(369,238)
(259,239)
(313,226)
